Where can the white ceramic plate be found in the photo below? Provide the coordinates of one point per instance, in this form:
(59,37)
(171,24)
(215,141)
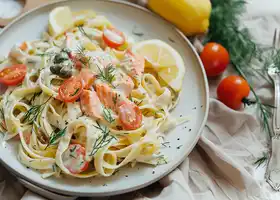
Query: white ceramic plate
(193,101)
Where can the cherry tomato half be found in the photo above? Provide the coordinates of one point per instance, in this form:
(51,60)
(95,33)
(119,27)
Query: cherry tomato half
(74,159)
(71,89)
(215,59)
(13,75)
(232,91)
(130,115)
(113,37)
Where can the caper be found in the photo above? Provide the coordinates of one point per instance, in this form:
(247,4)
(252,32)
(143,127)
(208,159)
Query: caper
(55,69)
(61,57)
(65,72)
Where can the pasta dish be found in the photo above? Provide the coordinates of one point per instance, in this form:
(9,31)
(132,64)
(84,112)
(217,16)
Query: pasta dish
(86,99)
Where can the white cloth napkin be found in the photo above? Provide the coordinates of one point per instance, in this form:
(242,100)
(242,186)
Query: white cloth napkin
(221,165)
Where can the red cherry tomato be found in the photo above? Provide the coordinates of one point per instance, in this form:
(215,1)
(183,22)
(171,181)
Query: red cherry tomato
(232,91)
(215,59)
(74,159)
(71,89)
(130,115)
(13,75)
(113,37)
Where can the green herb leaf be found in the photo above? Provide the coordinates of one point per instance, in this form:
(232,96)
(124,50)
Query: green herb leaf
(76,91)
(102,140)
(107,74)
(107,113)
(56,135)
(262,160)
(34,112)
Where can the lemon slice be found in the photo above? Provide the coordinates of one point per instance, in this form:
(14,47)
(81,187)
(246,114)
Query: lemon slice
(60,19)
(165,60)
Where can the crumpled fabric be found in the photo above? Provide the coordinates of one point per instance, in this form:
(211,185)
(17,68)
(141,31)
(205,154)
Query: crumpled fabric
(221,165)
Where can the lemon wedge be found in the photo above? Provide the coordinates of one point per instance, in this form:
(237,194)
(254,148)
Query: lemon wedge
(165,60)
(60,19)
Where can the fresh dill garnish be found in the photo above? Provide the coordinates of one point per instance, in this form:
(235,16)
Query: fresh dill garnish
(242,48)
(81,56)
(34,112)
(107,74)
(73,149)
(56,135)
(262,160)
(76,91)
(72,156)
(165,144)
(36,94)
(107,113)
(161,160)
(138,103)
(130,97)
(102,140)
(2,124)
(46,54)
(82,30)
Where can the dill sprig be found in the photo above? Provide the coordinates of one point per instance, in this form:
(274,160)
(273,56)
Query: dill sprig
(81,56)
(225,29)
(34,112)
(82,30)
(161,159)
(102,140)
(55,136)
(107,74)
(262,160)
(3,123)
(36,94)
(46,54)
(74,93)
(107,113)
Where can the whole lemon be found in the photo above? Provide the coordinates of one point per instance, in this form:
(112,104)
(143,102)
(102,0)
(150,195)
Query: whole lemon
(190,16)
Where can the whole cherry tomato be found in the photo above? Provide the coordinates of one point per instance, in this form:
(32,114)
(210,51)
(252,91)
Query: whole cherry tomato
(215,59)
(232,91)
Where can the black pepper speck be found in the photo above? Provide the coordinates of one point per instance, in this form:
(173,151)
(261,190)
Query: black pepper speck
(181,115)
(190,129)
(178,138)
(179,147)
(154,172)
(126,175)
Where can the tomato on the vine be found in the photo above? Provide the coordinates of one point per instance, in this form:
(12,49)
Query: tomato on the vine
(232,91)
(215,59)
